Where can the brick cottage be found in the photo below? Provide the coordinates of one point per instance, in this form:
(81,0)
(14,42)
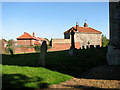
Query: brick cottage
(27,39)
(83,36)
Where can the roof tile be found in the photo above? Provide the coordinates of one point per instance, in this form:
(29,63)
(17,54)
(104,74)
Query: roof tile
(84,29)
(26,36)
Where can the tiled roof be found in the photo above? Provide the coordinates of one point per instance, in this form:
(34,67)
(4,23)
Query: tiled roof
(26,36)
(83,29)
(41,39)
(36,42)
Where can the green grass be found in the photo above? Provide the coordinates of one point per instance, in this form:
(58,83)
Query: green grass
(30,77)
(22,70)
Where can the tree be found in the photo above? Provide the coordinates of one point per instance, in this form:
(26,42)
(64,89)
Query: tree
(105,41)
(47,40)
(11,42)
(4,40)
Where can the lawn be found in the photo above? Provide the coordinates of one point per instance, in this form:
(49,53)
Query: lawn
(23,70)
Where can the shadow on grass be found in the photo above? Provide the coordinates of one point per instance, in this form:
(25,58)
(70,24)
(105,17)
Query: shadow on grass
(62,62)
(76,65)
(21,81)
(28,59)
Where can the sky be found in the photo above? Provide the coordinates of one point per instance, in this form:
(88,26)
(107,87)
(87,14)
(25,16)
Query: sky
(52,19)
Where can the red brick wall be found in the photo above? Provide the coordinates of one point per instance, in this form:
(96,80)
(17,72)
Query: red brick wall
(20,50)
(77,45)
(24,50)
(63,46)
(22,42)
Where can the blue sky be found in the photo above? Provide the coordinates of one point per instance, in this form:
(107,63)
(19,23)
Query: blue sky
(51,19)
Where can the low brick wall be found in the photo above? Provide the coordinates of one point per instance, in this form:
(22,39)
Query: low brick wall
(77,45)
(60,46)
(63,46)
(24,50)
(19,50)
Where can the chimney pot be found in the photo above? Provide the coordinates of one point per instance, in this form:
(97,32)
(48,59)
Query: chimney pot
(33,34)
(76,23)
(77,26)
(85,25)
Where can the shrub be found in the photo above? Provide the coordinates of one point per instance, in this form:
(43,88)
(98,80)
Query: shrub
(37,48)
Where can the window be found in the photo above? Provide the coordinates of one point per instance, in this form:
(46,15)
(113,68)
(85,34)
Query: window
(25,40)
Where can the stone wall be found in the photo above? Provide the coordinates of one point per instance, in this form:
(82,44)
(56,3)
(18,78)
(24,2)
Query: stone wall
(113,54)
(83,38)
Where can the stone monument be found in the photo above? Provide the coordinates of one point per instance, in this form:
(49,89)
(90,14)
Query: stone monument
(43,50)
(113,54)
(72,50)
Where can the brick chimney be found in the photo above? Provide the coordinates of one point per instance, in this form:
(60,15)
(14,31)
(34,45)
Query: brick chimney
(85,25)
(33,34)
(77,26)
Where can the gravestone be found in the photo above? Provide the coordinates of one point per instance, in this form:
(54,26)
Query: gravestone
(87,47)
(83,47)
(43,50)
(97,46)
(91,46)
(11,52)
(113,54)
(72,50)
(80,48)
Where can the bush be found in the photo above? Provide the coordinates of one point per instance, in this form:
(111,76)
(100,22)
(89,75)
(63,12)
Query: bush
(105,41)
(37,48)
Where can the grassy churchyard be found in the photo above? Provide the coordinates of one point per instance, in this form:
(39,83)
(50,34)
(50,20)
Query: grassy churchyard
(23,70)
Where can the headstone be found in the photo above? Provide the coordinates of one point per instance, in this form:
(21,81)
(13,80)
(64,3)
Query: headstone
(83,47)
(91,46)
(113,54)
(11,52)
(72,50)
(88,43)
(87,47)
(80,47)
(97,46)
(43,50)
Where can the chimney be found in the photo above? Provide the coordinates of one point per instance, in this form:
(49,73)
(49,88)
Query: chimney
(85,25)
(77,26)
(33,34)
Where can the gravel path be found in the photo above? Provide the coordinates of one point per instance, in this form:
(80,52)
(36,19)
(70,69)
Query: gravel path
(101,77)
